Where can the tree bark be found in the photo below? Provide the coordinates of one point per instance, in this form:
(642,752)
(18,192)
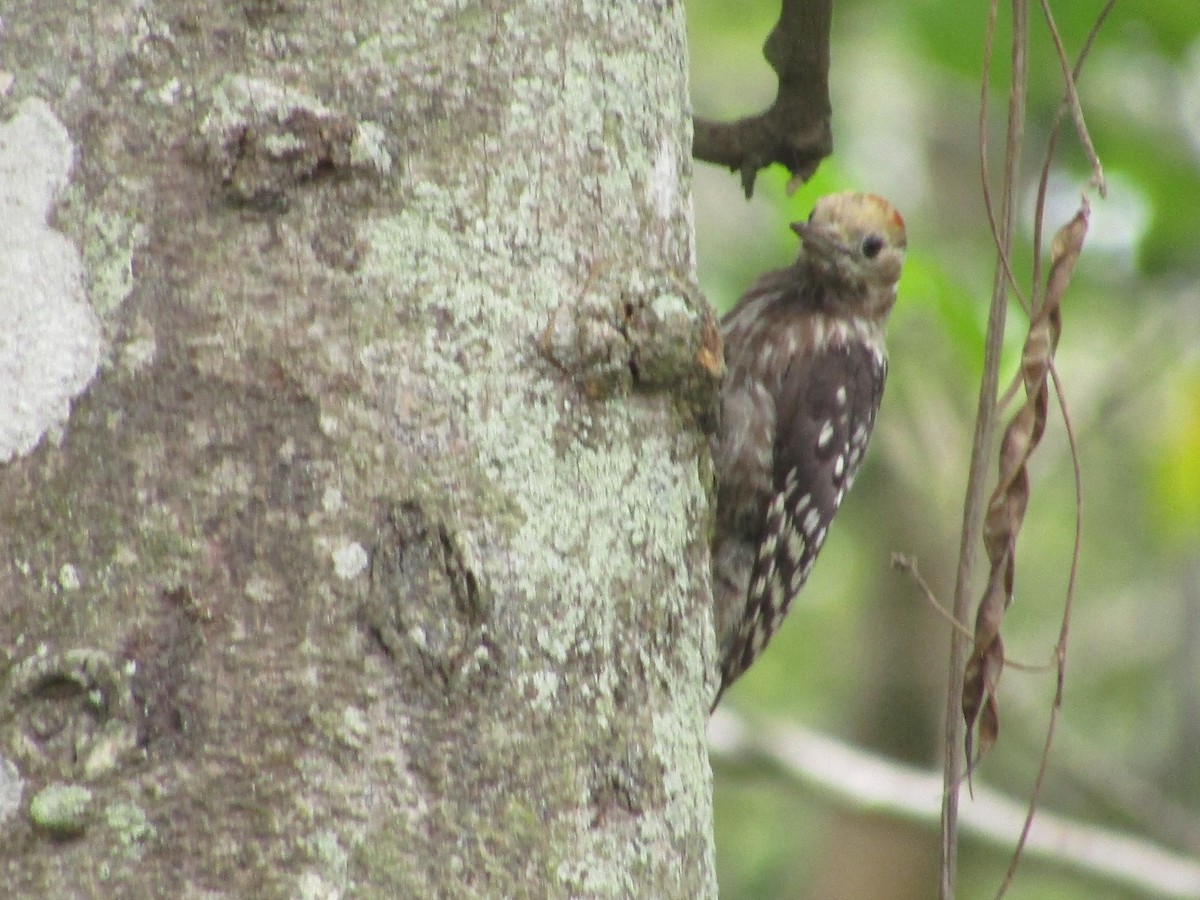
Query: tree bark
(372,557)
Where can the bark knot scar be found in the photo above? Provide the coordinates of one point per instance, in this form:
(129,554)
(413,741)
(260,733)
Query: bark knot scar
(637,336)
(264,138)
(425,602)
(68,714)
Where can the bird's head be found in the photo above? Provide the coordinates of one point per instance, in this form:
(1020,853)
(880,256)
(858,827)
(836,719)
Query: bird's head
(854,241)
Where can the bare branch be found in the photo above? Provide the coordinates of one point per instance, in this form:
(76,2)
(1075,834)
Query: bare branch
(985,420)
(1060,649)
(1071,100)
(796,130)
(1007,506)
(1006,509)
(907,564)
(1043,182)
(863,781)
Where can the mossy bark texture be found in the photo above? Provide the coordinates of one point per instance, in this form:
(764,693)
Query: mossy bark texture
(371,558)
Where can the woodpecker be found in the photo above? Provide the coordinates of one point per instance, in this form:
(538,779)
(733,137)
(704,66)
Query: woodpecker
(805,370)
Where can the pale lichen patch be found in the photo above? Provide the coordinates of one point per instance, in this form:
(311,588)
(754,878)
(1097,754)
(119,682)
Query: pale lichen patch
(50,344)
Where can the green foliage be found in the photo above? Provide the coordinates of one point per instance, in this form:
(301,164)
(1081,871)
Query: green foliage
(1176,471)
(861,655)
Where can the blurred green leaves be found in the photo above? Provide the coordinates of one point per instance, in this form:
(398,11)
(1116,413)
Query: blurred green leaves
(1177,471)
(905,83)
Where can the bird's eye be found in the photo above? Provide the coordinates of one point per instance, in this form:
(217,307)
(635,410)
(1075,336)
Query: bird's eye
(871,246)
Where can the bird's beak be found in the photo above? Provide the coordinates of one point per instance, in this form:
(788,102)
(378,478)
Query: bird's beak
(825,242)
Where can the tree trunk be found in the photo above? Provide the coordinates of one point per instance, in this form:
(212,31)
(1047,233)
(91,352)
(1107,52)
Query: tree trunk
(372,556)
